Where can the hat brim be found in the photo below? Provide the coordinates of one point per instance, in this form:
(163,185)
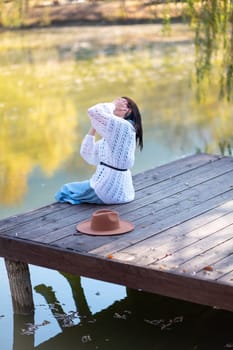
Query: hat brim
(124,227)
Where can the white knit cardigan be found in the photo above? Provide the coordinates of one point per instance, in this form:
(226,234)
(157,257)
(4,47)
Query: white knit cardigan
(116,148)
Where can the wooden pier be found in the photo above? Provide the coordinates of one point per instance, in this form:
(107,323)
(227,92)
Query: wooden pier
(182,245)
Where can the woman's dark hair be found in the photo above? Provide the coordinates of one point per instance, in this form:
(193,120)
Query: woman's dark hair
(136,118)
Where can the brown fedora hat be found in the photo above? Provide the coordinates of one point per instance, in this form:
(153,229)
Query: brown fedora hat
(105,222)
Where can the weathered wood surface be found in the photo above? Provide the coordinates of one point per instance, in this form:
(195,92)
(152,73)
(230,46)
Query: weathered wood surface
(182,245)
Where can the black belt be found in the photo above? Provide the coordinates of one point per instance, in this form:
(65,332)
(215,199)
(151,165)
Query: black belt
(112,167)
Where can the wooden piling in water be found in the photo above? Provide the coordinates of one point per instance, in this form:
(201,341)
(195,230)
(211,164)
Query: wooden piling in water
(20,287)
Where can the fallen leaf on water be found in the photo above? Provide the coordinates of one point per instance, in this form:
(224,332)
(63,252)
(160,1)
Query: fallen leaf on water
(128,312)
(86,338)
(178,319)
(165,324)
(116,315)
(154,322)
(92,321)
(31,328)
(67,319)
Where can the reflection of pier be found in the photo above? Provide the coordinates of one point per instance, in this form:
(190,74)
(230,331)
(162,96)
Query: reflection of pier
(182,245)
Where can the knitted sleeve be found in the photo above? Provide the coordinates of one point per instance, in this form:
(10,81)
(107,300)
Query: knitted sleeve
(101,115)
(90,150)
(119,134)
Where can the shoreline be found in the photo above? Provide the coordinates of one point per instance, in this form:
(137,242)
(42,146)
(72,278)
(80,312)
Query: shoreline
(98,14)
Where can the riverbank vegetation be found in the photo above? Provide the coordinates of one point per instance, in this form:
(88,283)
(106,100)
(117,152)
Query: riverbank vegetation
(34,13)
(211,21)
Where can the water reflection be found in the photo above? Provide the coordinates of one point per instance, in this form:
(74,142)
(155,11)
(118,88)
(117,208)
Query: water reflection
(140,320)
(48,79)
(35,118)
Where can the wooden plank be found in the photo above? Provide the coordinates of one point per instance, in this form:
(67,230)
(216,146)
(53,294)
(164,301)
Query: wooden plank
(227,278)
(109,245)
(179,191)
(162,173)
(9,222)
(190,178)
(208,258)
(46,212)
(177,167)
(182,251)
(49,215)
(34,229)
(152,280)
(184,199)
(44,223)
(224,220)
(163,220)
(180,254)
(49,219)
(138,217)
(176,238)
(173,187)
(220,268)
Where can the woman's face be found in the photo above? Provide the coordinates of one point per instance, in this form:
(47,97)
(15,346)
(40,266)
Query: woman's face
(121,107)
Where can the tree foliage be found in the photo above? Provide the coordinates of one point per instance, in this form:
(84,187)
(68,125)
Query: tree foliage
(212,21)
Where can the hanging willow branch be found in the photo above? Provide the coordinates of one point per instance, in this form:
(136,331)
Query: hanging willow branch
(229,62)
(212,21)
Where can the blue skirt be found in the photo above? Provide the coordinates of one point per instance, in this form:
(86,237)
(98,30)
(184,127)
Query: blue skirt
(77,193)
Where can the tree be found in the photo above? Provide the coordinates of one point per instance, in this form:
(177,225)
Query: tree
(212,21)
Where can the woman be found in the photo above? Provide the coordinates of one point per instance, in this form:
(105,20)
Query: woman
(120,126)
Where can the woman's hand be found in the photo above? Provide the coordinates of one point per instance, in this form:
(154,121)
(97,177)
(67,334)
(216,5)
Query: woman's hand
(121,107)
(91,131)
(121,104)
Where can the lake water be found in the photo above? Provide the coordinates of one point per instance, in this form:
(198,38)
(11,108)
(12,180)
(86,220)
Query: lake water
(48,79)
